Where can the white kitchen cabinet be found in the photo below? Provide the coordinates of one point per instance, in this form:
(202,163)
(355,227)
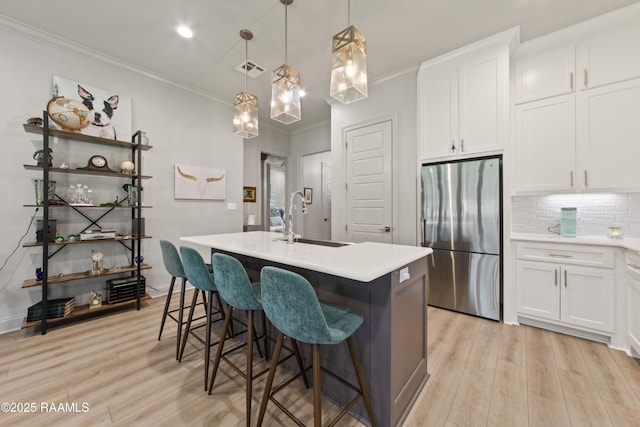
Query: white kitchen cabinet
(559,283)
(463,100)
(602,58)
(545,74)
(545,145)
(608,137)
(609,56)
(576,113)
(632,280)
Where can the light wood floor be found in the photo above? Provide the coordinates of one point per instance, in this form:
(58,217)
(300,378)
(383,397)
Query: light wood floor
(482,373)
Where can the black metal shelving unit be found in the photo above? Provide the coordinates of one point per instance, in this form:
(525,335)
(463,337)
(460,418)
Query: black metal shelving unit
(131,243)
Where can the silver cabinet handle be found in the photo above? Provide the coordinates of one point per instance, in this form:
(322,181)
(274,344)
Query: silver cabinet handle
(453,146)
(585,179)
(556,274)
(565,278)
(385,229)
(586,78)
(462,145)
(571,178)
(560,255)
(571,80)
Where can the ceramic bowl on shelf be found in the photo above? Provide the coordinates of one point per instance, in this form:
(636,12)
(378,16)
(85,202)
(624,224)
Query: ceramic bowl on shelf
(69,114)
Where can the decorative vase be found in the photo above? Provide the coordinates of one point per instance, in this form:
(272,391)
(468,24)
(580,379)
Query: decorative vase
(39,186)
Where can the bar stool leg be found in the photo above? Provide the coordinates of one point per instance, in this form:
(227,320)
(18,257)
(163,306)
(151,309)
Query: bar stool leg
(250,335)
(361,381)
(166,307)
(180,316)
(207,344)
(216,361)
(270,377)
(296,351)
(317,397)
(188,327)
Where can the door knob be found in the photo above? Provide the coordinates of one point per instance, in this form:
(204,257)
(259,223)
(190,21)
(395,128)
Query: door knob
(385,229)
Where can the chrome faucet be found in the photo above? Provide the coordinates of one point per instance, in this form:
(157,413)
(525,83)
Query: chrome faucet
(290,232)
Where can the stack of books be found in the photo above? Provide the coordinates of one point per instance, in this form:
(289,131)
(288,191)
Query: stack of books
(55,308)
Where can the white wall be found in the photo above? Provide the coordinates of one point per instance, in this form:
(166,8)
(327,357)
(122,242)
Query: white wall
(315,139)
(272,141)
(183,127)
(392,99)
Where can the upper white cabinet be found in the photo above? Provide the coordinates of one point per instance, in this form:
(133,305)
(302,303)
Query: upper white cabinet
(575,124)
(545,74)
(463,100)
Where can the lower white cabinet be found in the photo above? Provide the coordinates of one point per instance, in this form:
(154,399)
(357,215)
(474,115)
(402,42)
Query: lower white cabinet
(632,279)
(567,285)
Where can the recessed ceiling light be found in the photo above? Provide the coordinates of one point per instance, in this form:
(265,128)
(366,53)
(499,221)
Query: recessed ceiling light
(185,31)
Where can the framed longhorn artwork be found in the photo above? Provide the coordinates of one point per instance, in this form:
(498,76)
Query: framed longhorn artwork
(199,183)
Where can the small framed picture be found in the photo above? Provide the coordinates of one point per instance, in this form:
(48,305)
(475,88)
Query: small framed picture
(308,195)
(249,194)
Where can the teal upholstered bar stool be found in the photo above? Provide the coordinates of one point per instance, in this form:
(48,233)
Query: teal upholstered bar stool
(199,276)
(173,265)
(292,306)
(239,293)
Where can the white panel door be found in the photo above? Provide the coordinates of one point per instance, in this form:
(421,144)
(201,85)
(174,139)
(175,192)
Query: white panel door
(368,157)
(326,199)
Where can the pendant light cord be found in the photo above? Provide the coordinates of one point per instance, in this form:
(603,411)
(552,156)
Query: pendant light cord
(285,31)
(348,13)
(246,62)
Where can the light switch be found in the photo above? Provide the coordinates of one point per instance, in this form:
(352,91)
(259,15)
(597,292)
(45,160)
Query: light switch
(232,206)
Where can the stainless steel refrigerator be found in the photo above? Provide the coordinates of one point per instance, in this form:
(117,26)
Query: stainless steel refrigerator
(462,223)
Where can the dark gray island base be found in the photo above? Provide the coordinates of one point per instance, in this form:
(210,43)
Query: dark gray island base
(391,343)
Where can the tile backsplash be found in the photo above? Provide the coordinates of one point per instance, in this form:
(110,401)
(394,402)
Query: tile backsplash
(596,212)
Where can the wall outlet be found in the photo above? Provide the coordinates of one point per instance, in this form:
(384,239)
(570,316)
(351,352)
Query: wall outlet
(232,206)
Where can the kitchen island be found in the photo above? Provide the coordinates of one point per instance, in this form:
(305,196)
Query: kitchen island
(386,284)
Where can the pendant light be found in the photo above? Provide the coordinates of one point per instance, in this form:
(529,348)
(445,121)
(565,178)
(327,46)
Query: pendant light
(349,69)
(245,107)
(285,86)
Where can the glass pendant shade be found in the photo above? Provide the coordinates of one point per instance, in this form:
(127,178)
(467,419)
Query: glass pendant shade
(285,95)
(349,68)
(245,105)
(245,115)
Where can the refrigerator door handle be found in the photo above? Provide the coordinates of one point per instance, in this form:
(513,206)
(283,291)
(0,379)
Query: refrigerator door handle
(423,225)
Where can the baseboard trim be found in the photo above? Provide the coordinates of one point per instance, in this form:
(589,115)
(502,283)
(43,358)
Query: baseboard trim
(10,324)
(565,330)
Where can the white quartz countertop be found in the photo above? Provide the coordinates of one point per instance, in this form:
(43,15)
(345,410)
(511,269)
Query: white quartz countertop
(359,261)
(629,244)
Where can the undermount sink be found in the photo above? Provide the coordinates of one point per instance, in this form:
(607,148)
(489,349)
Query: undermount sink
(329,243)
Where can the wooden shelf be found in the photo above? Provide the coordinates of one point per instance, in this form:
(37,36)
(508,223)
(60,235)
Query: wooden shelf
(89,207)
(83,275)
(85,311)
(82,137)
(86,172)
(81,242)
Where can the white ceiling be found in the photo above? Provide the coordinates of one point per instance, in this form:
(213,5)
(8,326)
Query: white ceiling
(400,34)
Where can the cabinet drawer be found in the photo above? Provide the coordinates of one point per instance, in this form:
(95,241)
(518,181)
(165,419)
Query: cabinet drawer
(595,256)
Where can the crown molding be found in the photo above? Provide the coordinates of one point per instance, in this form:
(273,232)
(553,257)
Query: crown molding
(34,34)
